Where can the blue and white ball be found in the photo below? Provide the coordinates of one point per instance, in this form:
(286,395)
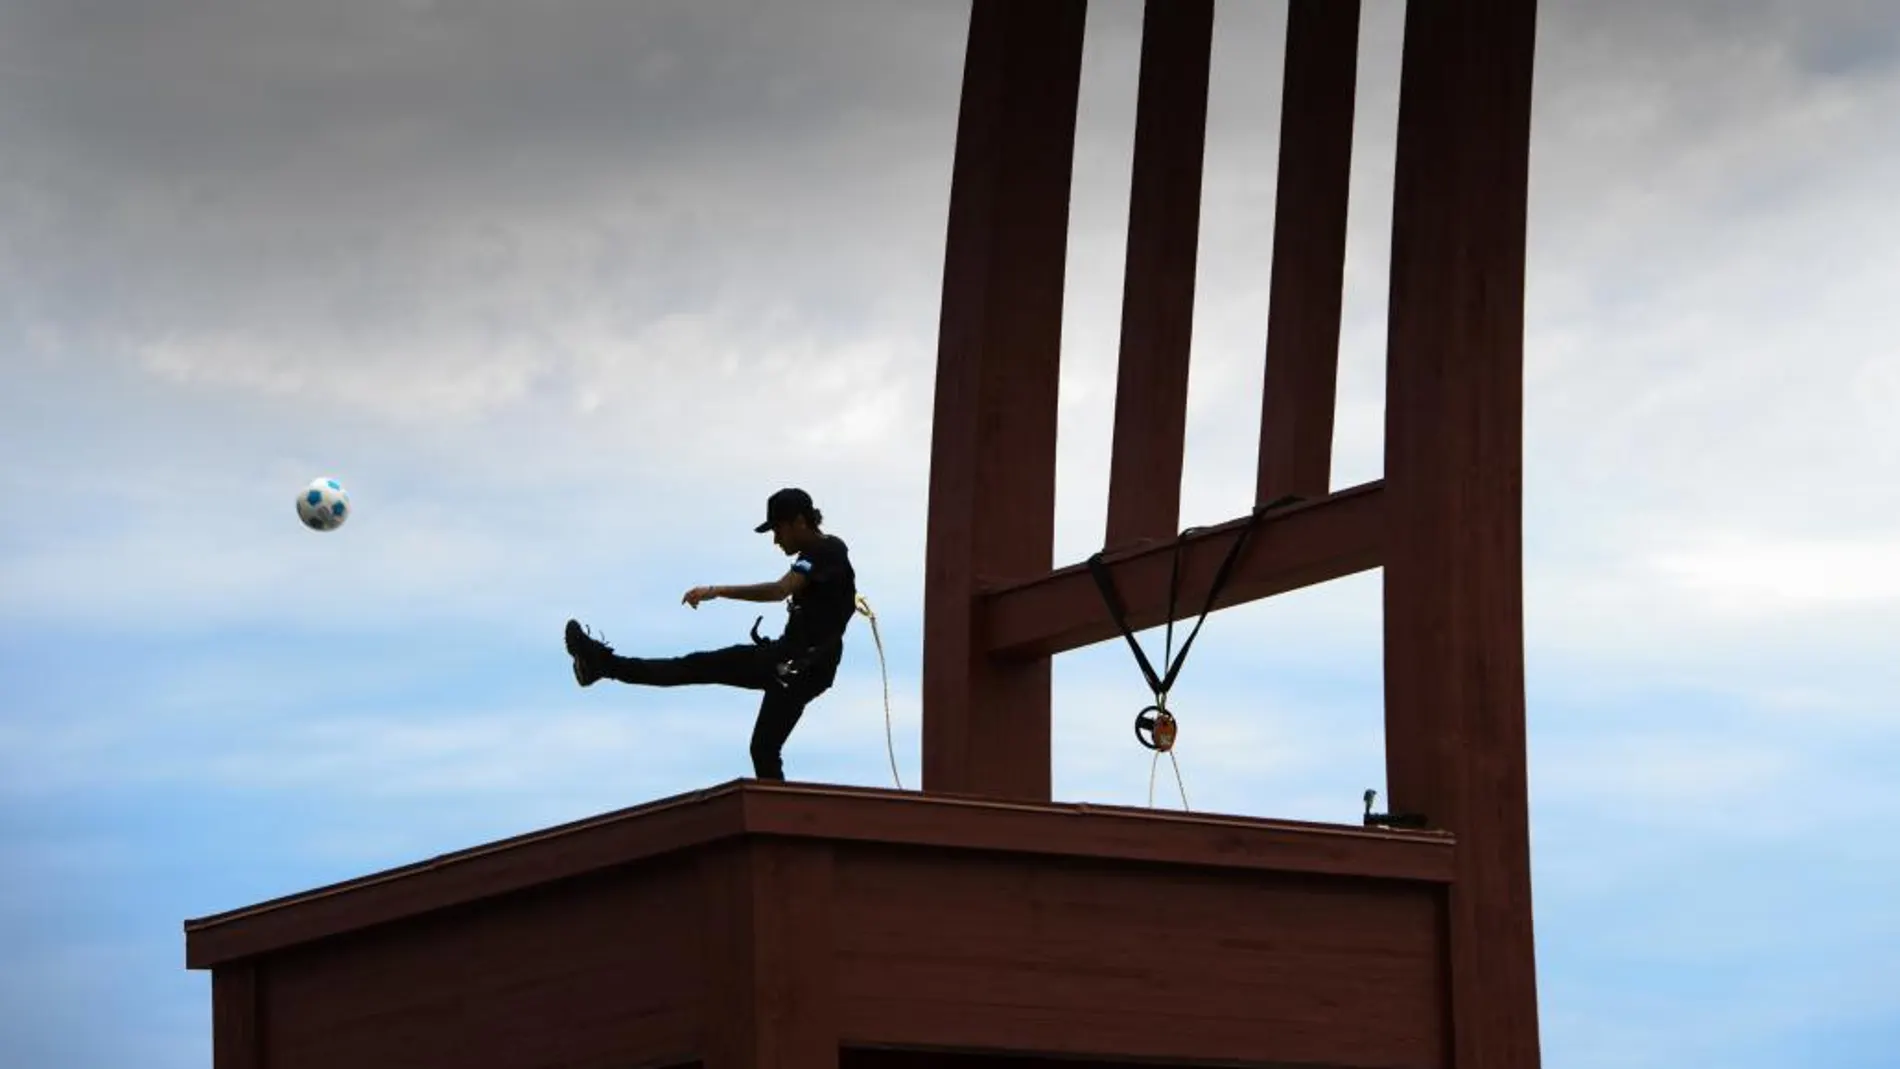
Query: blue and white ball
(324,505)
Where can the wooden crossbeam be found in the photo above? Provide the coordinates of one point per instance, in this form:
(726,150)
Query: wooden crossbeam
(1164,228)
(1298,546)
(1309,249)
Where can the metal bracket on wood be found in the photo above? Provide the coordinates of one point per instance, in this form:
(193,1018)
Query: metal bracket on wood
(1391,820)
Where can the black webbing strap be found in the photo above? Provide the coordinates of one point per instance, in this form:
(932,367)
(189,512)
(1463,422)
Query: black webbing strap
(1106,582)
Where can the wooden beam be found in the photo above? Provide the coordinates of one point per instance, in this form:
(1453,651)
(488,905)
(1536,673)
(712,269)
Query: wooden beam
(1309,249)
(237,1007)
(1454,632)
(1164,229)
(993,437)
(771,997)
(1299,546)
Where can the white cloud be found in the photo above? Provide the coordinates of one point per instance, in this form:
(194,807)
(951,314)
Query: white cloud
(1771,581)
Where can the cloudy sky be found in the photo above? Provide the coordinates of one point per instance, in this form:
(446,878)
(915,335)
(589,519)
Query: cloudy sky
(562,290)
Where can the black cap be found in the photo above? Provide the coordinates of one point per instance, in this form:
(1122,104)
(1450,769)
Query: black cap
(787,504)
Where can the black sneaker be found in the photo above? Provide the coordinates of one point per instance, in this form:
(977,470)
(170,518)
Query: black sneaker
(587,652)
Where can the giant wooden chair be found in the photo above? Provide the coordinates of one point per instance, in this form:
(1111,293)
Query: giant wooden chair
(977,921)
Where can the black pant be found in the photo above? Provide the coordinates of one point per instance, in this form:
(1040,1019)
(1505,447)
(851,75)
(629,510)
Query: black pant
(748,666)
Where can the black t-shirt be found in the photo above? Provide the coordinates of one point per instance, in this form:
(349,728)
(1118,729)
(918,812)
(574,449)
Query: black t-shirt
(819,614)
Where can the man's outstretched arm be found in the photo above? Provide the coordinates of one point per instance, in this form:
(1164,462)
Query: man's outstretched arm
(777,590)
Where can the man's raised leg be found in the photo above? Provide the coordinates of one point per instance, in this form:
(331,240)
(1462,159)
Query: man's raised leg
(746,666)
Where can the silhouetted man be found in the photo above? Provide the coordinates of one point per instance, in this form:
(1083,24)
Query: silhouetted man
(821,591)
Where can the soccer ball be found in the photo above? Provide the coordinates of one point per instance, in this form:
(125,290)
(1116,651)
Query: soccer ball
(324,505)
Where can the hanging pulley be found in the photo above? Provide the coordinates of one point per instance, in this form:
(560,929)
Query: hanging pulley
(1155,729)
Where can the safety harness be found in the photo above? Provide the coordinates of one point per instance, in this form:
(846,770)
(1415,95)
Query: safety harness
(787,670)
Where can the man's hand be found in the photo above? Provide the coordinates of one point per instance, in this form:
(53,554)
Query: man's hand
(698,594)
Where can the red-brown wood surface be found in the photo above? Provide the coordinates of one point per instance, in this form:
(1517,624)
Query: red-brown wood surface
(1095,958)
(768,914)
(729,1034)
(1111,833)
(1454,658)
(801,918)
(1164,230)
(597,972)
(938,1058)
(1309,249)
(672,827)
(1289,548)
(236,1018)
(887,1057)
(993,438)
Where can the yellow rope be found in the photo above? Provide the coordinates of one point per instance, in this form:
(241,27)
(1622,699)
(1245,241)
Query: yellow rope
(890,744)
